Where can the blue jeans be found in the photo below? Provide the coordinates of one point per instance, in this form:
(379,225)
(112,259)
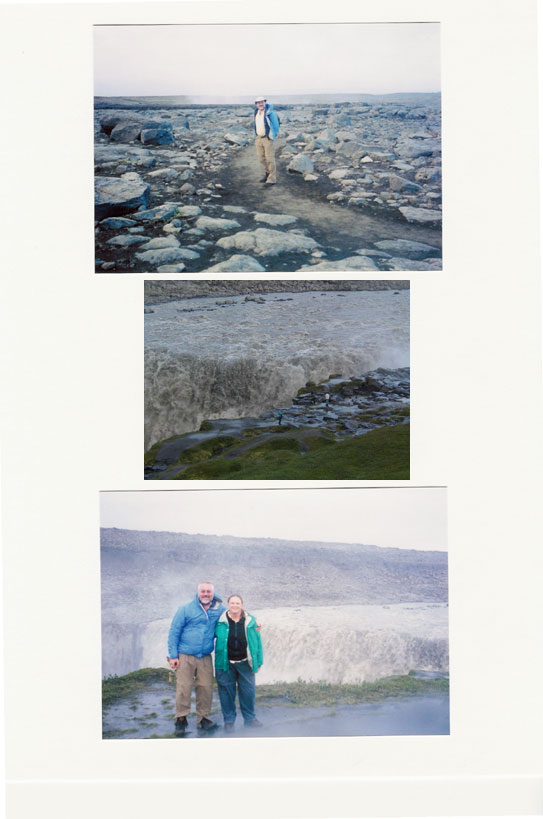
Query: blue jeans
(240,676)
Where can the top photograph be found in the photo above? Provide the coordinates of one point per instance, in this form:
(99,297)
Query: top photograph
(267,148)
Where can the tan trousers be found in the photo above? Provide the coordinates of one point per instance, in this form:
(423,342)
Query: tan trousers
(191,671)
(265,150)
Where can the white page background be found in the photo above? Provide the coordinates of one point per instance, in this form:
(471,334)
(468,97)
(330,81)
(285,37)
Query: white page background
(73,425)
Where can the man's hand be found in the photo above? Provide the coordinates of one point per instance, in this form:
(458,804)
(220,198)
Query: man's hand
(174,664)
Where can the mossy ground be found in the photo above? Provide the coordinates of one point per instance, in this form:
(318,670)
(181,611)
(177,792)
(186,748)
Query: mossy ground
(382,454)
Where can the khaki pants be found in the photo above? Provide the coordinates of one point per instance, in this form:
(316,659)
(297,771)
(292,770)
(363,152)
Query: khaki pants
(265,150)
(196,671)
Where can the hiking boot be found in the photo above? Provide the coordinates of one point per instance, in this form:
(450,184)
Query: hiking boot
(264,178)
(228,727)
(270,182)
(181,725)
(254,723)
(206,726)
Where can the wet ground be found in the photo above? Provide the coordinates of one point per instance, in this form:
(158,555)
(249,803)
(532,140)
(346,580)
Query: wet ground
(151,715)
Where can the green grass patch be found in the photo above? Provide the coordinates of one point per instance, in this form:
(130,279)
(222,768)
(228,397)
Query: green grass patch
(116,688)
(207,449)
(381,454)
(330,694)
(206,426)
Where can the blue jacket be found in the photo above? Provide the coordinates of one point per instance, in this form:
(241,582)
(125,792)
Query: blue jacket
(193,628)
(271,121)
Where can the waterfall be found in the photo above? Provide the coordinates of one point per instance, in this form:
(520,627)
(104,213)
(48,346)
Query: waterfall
(337,644)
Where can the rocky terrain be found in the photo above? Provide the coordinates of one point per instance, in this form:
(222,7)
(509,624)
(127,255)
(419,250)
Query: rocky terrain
(354,407)
(359,187)
(158,292)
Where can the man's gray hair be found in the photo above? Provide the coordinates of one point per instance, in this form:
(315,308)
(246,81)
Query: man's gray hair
(206,583)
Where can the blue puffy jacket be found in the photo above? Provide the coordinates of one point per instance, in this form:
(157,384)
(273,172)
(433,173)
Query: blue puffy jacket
(271,121)
(193,628)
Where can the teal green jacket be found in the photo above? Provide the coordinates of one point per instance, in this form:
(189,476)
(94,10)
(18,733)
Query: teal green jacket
(255,653)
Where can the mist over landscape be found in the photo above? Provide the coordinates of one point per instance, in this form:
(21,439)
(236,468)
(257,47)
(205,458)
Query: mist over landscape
(388,605)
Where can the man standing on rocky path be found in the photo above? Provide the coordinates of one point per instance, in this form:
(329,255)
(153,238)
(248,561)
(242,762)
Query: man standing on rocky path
(266,125)
(190,643)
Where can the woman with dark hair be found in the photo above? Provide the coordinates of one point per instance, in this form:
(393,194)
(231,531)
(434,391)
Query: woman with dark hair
(238,656)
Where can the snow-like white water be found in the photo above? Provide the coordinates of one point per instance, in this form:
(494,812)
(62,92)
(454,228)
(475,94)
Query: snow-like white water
(244,358)
(333,643)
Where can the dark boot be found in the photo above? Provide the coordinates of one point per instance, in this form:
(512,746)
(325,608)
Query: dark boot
(181,725)
(206,726)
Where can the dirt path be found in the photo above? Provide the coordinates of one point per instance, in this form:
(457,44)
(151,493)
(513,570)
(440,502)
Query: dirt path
(334,226)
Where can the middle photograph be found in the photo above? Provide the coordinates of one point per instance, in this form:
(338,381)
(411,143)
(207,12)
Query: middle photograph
(277,380)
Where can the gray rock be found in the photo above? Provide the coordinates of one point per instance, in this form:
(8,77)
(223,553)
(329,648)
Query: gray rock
(428,175)
(161,256)
(414,148)
(171,268)
(116,223)
(238,264)
(158,214)
(161,242)
(189,211)
(301,163)
(421,215)
(237,138)
(162,134)
(267,242)
(401,185)
(126,241)
(408,249)
(168,174)
(126,132)
(114,196)
(350,263)
(275,219)
(411,264)
(209,223)
(104,154)
(234,209)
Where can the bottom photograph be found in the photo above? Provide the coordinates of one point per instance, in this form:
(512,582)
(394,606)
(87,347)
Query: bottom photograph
(274,613)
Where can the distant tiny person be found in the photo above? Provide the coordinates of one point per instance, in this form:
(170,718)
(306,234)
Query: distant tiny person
(327,398)
(280,416)
(266,124)
(238,656)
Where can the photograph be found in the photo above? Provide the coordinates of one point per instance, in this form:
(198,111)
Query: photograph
(329,619)
(253,380)
(267,147)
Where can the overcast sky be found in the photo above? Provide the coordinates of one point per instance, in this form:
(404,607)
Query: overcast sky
(406,518)
(272,59)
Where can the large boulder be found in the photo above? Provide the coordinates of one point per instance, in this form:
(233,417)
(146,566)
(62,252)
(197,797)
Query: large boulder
(160,134)
(301,163)
(407,248)
(267,242)
(126,132)
(238,264)
(275,219)
(400,185)
(421,216)
(209,223)
(350,263)
(114,196)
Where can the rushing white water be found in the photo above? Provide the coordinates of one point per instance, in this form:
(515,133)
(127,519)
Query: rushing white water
(332,643)
(245,357)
